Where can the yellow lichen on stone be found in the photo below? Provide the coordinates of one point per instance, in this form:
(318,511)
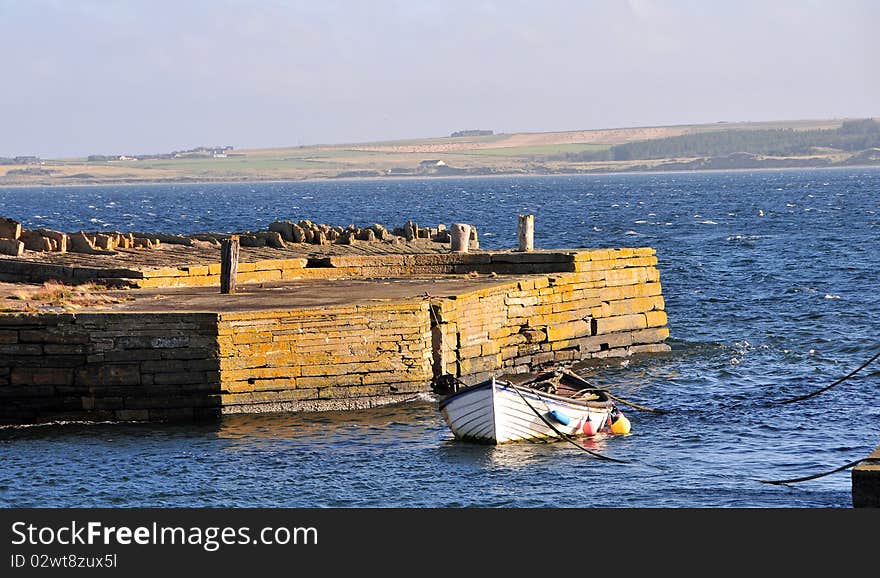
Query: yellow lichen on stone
(621,323)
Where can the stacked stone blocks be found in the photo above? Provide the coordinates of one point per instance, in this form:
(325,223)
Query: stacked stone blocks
(611,306)
(187,365)
(343,358)
(97,366)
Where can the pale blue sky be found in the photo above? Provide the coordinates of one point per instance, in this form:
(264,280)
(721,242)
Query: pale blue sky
(102,77)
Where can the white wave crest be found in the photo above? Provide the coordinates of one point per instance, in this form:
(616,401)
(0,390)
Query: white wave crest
(62,422)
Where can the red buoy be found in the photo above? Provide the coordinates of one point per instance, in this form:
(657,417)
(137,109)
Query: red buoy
(587,427)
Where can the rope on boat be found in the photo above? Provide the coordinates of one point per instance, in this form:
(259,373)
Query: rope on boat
(814,476)
(565,436)
(635,405)
(827,387)
(614,397)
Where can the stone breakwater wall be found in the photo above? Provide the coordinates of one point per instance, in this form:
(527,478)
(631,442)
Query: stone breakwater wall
(108,366)
(342,358)
(613,307)
(179,365)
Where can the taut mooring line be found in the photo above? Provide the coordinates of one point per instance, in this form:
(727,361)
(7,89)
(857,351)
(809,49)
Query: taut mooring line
(827,387)
(635,405)
(823,474)
(614,397)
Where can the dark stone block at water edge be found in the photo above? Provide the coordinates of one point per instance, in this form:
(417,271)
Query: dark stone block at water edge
(866,482)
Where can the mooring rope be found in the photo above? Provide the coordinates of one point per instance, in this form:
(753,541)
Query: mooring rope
(598,455)
(565,436)
(823,474)
(827,387)
(562,435)
(635,405)
(574,442)
(614,397)
(429,298)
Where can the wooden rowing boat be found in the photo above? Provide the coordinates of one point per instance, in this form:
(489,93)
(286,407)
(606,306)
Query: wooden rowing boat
(550,405)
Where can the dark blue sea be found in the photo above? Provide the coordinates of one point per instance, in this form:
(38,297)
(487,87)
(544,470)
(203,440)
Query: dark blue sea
(772,286)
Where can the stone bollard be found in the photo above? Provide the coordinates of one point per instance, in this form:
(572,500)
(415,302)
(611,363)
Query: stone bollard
(526,232)
(105,242)
(34,241)
(298,234)
(9,228)
(382,234)
(275,239)
(228,263)
(81,243)
(59,239)
(12,247)
(284,228)
(461,237)
(410,231)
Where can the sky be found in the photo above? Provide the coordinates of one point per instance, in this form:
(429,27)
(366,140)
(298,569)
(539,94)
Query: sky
(86,77)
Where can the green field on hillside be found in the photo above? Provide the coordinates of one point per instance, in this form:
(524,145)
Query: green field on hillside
(827,142)
(538,150)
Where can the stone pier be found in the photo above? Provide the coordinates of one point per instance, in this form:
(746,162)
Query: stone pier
(317,332)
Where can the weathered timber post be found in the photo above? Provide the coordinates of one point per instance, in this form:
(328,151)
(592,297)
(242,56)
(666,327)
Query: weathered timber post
(461,237)
(228,263)
(526,232)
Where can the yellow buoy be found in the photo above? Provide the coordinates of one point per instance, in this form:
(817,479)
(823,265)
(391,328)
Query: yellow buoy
(621,426)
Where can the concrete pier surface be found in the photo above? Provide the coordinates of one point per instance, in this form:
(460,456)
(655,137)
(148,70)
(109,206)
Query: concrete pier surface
(281,295)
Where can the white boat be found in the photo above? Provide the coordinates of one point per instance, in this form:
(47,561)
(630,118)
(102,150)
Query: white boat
(497,411)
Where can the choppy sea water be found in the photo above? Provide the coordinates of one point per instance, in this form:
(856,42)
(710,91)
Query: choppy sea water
(771,283)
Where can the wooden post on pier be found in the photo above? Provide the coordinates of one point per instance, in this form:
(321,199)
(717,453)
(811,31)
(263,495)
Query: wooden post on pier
(461,237)
(526,232)
(228,263)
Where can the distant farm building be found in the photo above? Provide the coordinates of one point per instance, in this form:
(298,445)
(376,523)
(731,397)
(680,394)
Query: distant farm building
(472,133)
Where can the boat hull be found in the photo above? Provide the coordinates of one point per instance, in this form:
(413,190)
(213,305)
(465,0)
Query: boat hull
(499,412)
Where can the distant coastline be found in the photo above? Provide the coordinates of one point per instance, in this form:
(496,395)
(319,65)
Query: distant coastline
(135,183)
(729,146)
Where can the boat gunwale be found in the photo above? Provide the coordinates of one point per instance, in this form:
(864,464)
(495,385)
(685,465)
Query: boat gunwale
(536,394)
